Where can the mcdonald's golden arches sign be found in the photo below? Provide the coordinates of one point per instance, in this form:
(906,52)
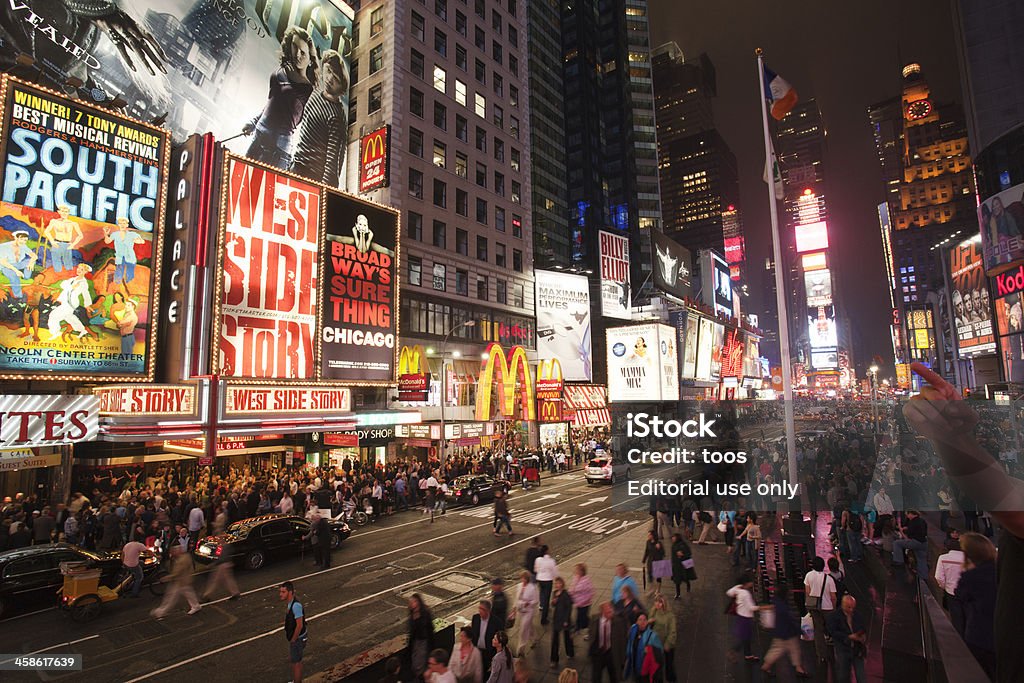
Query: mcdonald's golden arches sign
(374,166)
(413,376)
(511,374)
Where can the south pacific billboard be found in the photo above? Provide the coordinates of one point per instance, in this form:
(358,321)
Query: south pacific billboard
(270,77)
(81,234)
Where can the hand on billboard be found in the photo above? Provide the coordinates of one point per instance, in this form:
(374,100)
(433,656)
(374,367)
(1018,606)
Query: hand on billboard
(938,412)
(128,36)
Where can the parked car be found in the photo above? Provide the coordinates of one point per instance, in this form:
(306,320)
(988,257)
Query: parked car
(30,577)
(254,541)
(605,468)
(474,489)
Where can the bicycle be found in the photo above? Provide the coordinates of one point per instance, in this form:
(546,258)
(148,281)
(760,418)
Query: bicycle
(154,579)
(351,514)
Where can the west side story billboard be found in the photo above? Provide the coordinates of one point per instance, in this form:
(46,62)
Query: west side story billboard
(270,75)
(81,234)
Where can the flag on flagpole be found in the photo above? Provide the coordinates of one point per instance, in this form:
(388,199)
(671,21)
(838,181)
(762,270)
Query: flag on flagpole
(772,163)
(780,94)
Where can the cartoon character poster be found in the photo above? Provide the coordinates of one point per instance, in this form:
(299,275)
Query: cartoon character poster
(81,227)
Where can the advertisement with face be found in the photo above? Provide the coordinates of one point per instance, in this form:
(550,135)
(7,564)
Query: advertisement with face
(705,349)
(672,266)
(717,349)
(271,75)
(642,363)
(360,293)
(971,309)
(818,285)
(81,235)
(269,288)
(615,294)
(563,323)
(1002,229)
(821,328)
(752,358)
(1010,314)
(690,348)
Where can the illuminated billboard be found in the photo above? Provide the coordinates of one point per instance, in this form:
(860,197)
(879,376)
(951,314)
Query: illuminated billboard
(1001,217)
(970,297)
(733,351)
(825,360)
(615,294)
(716,283)
(689,362)
(672,266)
(563,322)
(81,238)
(811,237)
(375,159)
(818,285)
(643,363)
(814,261)
(271,76)
(734,250)
(705,349)
(821,328)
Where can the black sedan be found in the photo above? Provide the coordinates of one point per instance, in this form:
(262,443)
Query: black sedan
(252,542)
(30,577)
(476,488)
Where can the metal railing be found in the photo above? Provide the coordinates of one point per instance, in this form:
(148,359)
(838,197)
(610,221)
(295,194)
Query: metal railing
(946,655)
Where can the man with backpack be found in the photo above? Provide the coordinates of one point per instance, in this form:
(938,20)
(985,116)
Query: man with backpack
(821,598)
(294,629)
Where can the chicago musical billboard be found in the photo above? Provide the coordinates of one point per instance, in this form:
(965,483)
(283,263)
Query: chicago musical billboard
(81,237)
(615,294)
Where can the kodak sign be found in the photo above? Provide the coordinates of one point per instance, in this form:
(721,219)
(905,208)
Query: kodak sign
(373,159)
(511,374)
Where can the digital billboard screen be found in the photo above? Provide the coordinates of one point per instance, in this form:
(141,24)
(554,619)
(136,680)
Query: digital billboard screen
(673,267)
(969,292)
(818,285)
(815,261)
(1001,217)
(825,360)
(821,328)
(81,237)
(811,237)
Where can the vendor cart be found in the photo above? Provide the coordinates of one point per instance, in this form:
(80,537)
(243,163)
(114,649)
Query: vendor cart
(82,595)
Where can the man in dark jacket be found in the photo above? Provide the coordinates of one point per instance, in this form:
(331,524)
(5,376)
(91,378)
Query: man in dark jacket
(499,601)
(786,634)
(849,639)
(484,626)
(532,553)
(608,635)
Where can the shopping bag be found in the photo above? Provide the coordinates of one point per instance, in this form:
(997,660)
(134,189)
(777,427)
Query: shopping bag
(661,569)
(722,526)
(688,563)
(806,627)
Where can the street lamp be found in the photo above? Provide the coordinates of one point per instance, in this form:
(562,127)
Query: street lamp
(444,379)
(874,393)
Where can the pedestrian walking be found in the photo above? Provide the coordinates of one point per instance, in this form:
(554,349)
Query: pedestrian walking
(437,668)
(821,597)
(421,634)
(130,561)
(785,634)
(502,517)
(608,634)
(663,621)
(181,584)
(526,610)
(466,661)
(546,570)
(501,665)
(743,608)
(849,640)
(654,551)
(644,652)
(948,569)
(223,575)
(499,601)
(622,578)
(561,622)
(582,592)
(294,629)
(683,569)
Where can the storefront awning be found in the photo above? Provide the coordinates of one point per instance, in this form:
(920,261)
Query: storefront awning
(592,418)
(587,405)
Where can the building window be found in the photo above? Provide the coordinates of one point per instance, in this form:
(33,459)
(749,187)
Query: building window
(440,277)
(416,63)
(416,142)
(499,150)
(462,282)
(499,184)
(440,193)
(440,233)
(481,174)
(480,71)
(481,248)
(498,116)
(416,102)
(355,34)
(461,60)
(414,227)
(496,51)
(481,211)
(513,96)
(517,225)
(517,192)
(513,65)
(462,202)
(480,106)
(441,9)
(480,8)
(513,126)
(415,271)
(375,99)
(376,59)
(461,163)
(440,79)
(353,110)
(440,154)
(499,254)
(496,21)
(512,7)
(416,183)
(461,242)
(460,23)
(513,35)
(481,288)
(499,85)
(499,219)
(481,139)
(461,128)
(353,71)
(517,296)
(479,38)
(501,296)
(440,42)
(377,21)
(418,27)
(460,92)
(517,260)
(440,116)
(514,156)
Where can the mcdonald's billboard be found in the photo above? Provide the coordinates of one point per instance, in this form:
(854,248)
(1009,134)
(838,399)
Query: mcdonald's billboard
(549,379)
(511,374)
(550,410)
(374,166)
(413,378)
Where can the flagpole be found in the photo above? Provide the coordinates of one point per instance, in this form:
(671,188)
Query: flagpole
(780,286)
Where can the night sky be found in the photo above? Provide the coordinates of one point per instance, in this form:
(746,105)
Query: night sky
(848,55)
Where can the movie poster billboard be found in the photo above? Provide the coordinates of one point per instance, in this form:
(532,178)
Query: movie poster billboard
(643,363)
(615,294)
(268,290)
(673,266)
(689,362)
(971,309)
(271,77)
(81,235)
(705,349)
(563,323)
(360,291)
(1001,217)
